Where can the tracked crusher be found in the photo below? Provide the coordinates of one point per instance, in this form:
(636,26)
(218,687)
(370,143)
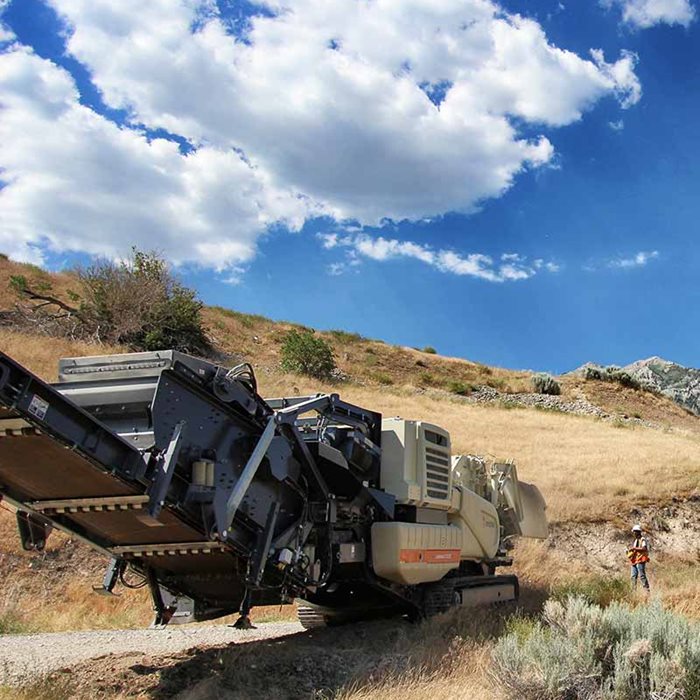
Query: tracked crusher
(216,499)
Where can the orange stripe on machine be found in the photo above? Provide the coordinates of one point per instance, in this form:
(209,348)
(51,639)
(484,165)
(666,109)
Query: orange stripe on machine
(429,556)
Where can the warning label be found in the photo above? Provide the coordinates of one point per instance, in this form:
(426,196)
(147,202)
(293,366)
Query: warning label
(38,407)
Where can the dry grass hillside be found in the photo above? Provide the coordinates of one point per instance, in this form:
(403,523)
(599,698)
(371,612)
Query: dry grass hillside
(596,475)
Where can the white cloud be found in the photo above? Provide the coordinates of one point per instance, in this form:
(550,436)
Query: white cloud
(511,268)
(322,108)
(618,125)
(76,181)
(6,34)
(639,259)
(647,13)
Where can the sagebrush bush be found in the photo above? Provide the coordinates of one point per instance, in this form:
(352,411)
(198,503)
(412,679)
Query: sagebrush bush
(626,379)
(430,350)
(593,373)
(304,352)
(612,373)
(546,384)
(581,651)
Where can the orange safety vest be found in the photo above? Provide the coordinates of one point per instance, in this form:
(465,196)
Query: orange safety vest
(638,557)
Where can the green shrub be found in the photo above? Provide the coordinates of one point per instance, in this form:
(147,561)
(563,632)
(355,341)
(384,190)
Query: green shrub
(11,622)
(612,373)
(582,651)
(382,378)
(136,302)
(546,384)
(303,352)
(626,379)
(597,590)
(457,387)
(430,350)
(428,379)
(593,373)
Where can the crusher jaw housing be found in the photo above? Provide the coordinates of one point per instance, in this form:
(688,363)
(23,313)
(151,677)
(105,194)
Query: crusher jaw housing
(216,499)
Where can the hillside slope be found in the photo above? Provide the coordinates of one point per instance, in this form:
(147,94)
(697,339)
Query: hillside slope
(597,475)
(362,362)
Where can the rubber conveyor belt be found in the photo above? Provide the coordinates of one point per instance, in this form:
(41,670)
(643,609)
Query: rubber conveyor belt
(58,461)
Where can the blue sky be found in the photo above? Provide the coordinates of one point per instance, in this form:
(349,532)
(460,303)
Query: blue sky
(461,173)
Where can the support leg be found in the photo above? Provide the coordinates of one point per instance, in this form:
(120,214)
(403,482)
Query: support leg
(243,622)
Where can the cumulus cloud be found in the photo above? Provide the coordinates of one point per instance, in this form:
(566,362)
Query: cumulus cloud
(639,259)
(359,111)
(511,266)
(76,181)
(647,13)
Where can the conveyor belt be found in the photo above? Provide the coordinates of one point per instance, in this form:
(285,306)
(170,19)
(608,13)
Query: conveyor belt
(61,462)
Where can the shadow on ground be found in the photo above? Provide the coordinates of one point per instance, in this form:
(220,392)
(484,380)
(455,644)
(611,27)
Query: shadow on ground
(305,665)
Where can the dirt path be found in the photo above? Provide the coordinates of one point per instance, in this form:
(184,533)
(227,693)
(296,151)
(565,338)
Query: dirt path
(23,657)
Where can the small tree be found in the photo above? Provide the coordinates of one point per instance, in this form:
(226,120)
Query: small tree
(546,384)
(136,302)
(303,352)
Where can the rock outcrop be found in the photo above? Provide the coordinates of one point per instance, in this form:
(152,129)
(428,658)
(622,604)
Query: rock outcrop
(681,384)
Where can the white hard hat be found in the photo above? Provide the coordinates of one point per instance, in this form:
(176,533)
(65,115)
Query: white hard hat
(637,528)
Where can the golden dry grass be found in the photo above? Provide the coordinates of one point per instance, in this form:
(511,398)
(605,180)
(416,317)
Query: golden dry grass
(461,673)
(587,469)
(40,354)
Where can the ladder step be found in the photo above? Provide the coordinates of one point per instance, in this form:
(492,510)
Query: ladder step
(168,550)
(16,427)
(91,505)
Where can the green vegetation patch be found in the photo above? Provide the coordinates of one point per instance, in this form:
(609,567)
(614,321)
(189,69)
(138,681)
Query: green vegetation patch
(582,651)
(597,590)
(546,384)
(460,388)
(613,373)
(304,352)
(137,302)
(381,378)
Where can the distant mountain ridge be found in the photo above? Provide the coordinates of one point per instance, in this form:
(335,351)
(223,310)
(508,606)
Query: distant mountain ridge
(681,384)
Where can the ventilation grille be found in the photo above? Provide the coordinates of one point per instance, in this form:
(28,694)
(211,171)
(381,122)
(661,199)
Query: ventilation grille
(437,472)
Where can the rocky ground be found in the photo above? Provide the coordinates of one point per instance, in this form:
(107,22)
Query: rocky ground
(579,407)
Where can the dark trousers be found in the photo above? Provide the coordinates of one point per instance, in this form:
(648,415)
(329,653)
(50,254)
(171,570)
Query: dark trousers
(640,570)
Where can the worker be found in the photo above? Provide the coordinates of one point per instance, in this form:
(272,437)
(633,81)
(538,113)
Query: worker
(638,555)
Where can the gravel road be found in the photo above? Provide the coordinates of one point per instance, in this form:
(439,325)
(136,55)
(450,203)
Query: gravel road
(25,656)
